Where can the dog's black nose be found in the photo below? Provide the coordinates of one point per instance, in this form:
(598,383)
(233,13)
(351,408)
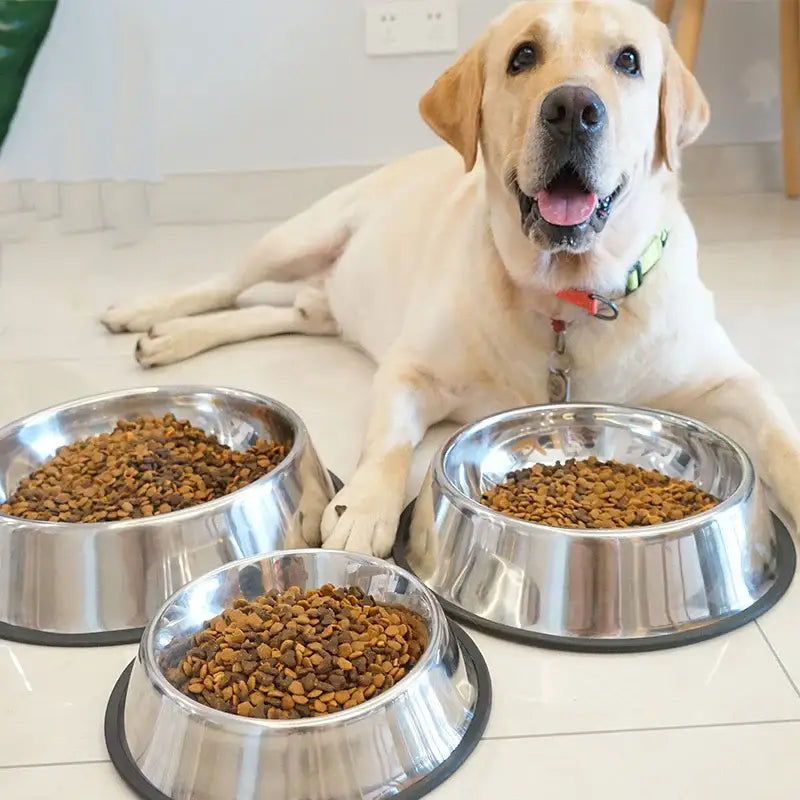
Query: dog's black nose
(573,111)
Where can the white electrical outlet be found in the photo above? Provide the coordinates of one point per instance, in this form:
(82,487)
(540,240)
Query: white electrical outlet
(440,26)
(401,27)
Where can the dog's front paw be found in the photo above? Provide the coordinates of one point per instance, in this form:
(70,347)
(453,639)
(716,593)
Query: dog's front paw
(136,318)
(171,341)
(362,518)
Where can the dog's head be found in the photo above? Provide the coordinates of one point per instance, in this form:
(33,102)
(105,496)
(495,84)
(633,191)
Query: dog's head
(574,104)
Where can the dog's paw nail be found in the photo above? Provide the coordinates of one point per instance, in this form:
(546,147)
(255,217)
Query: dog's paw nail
(340,509)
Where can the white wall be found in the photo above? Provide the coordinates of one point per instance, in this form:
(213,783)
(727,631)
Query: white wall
(142,88)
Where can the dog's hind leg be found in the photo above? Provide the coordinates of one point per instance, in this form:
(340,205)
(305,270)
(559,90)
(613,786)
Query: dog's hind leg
(302,247)
(174,340)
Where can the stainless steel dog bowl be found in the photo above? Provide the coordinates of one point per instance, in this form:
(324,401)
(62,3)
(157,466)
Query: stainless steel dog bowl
(399,744)
(599,590)
(89,584)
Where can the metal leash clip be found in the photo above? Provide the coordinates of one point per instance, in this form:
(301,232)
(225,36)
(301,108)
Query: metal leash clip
(559,364)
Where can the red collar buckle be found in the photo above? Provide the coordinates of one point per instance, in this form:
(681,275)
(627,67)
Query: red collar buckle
(585,300)
(593,304)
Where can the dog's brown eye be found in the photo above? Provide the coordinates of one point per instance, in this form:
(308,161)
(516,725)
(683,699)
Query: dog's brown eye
(627,61)
(523,58)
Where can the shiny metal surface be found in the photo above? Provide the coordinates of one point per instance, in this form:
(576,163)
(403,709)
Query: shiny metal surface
(91,578)
(626,584)
(369,752)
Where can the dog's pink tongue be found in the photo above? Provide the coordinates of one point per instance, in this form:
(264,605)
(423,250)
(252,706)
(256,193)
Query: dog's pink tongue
(566,205)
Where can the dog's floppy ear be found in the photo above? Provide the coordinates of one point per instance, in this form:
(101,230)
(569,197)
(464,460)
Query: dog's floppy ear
(683,107)
(452,106)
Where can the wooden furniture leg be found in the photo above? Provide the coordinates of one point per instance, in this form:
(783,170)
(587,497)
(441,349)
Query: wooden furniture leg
(663,9)
(790,90)
(690,23)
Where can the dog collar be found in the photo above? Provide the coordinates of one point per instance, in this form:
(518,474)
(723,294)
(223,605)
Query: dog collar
(601,307)
(560,363)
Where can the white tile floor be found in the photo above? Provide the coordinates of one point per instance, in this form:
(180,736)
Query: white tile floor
(720,719)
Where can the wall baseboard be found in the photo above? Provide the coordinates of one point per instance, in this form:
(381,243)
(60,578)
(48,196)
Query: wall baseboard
(128,208)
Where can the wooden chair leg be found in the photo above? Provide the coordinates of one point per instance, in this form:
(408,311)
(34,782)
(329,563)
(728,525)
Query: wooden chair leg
(663,9)
(790,90)
(690,23)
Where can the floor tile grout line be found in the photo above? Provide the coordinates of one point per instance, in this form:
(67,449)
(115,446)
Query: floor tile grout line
(513,737)
(777,658)
(50,764)
(701,726)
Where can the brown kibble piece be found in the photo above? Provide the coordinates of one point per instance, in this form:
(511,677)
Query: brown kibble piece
(255,660)
(337,681)
(595,494)
(143,467)
(289,659)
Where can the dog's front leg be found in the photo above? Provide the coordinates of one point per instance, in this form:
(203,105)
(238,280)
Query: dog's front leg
(747,409)
(406,401)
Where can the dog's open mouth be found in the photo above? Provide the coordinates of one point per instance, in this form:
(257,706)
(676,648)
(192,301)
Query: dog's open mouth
(566,203)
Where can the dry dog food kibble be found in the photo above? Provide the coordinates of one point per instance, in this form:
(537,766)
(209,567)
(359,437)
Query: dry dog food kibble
(144,467)
(293,655)
(596,494)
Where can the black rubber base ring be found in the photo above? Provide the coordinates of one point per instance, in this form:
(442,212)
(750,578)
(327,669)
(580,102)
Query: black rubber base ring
(16,633)
(124,763)
(786,563)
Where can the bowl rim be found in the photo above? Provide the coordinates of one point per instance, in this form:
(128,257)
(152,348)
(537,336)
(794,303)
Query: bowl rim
(158,680)
(301,442)
(464,502)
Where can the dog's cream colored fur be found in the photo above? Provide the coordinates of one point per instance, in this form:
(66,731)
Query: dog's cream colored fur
(425,266)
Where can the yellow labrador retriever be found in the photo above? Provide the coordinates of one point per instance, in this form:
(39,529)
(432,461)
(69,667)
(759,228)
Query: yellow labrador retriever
(484,275)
